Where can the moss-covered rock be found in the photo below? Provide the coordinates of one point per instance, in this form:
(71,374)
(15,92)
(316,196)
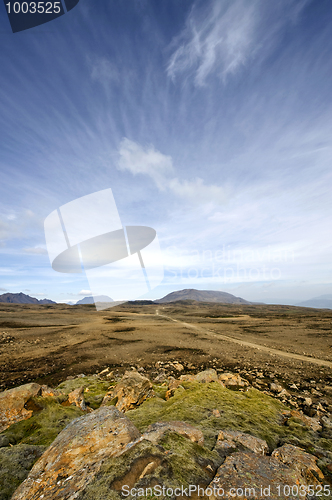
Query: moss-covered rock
(252,412)
(174,462)
(15,463)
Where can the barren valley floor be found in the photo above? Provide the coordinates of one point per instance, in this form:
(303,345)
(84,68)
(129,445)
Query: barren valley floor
(49,343)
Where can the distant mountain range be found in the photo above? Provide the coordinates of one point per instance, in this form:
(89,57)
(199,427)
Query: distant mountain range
(202,296)
(21,298)
(321,302)
(93,300)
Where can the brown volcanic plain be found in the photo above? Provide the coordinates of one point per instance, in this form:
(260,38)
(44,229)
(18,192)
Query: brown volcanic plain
(47,343)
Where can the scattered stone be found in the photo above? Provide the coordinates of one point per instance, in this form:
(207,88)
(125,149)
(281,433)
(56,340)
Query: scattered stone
(12,404)
(178,366)
(276,387)
(104,372)
(283,394)
(216,413)
(232,380)
(320,407)
(155,431)
(130,392)
(206,376)
(161,377)
(76,455)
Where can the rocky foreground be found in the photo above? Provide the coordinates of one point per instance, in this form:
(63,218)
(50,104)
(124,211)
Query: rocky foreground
(112,436)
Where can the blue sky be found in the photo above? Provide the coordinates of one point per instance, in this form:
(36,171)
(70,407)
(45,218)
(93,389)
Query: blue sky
(211,121)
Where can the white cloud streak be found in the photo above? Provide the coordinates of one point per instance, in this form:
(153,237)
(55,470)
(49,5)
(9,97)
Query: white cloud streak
(136,159)
(224,36)
(35,251)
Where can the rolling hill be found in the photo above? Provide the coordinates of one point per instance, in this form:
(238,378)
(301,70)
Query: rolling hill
(321,302)
(202,296)
(93,300)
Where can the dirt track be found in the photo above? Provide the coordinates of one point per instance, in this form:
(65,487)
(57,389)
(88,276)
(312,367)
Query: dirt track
(277,352)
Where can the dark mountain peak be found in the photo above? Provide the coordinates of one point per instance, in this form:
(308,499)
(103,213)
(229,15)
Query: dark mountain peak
(22,298)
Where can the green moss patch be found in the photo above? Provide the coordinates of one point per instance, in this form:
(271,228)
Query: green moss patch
(43,427)
(252,412)
(15,464)
(96,389)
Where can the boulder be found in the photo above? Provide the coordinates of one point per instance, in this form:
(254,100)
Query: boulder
(130,392)
(12,404)
(298,459)
(232,380)
(154,432)
(310,422)
(76,455)
(161,377)
(229,441)
(249,475)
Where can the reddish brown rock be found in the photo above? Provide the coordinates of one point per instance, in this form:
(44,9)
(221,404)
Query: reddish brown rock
(130,392)
(12,404)
(76,398)
(155,431)
(246,475)
(301,461)
(229,441)
(76,455)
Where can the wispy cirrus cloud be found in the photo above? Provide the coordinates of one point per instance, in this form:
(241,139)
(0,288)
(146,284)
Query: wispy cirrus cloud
(138,160)
(159,167)
(103,70)
(222,37)
(35,251)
